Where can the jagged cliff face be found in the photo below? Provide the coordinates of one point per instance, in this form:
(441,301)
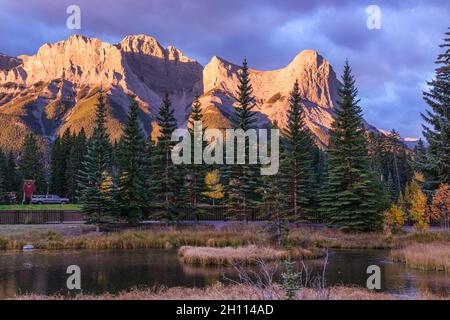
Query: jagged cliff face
(318,88)
(59,86)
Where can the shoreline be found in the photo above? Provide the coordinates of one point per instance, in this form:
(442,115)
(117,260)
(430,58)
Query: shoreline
(220,291)
(75,236)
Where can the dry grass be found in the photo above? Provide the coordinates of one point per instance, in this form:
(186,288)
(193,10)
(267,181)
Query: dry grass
(432,256)
(138,239)
(234,235)
(331,238)
(220,291)
(243,255)
(14,237)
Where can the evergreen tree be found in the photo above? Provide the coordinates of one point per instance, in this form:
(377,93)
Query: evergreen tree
(97,202)
(277,211)
(394,146)
(318,177)
(195,172)
(101,206)
(59,162)
(55,167)
(390,162)
(437,127)
(9,181)
(420,159)
(149,149)
(3,181)
(349,201)
(399,160)
(166,177)
(13,181)
(131,163)
(298,147)
(74,165)
(290,279)
(242,177)
(32,163)
(390,189)
(375,149)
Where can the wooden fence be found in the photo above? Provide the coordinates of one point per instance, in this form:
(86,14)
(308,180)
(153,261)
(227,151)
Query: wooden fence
(219,213)
(40,217)
(205,213)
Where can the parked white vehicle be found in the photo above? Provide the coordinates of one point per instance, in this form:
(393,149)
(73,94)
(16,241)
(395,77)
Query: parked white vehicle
(48,199)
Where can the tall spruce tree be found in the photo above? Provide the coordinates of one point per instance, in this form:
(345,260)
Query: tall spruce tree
(349,201)
(98,201)
(242,177)
(132,163)
(317,178)
(437,123)
(420,159)
(56,171)
(298,147)
(3,179)
(13,181)
(74,164)
(166,177)
(195,172)
(277,210)
(59,162)
(395,146)
(32,163)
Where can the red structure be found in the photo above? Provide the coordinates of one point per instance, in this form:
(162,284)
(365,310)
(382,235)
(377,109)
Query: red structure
(28,190)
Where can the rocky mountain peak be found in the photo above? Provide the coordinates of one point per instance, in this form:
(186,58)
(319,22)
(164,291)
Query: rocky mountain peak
(142,44)
(219,74)
(58,87)
(147,45)
(307,57)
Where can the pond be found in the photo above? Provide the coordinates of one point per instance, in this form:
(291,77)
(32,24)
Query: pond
(44,272)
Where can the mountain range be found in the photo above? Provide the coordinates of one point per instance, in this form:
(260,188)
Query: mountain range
(58,87)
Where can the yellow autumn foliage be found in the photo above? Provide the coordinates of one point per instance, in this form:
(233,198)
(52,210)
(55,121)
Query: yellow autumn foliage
(414,202)
(393,219)
(213,185)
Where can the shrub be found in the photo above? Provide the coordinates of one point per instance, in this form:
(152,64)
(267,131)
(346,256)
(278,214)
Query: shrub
(393,219)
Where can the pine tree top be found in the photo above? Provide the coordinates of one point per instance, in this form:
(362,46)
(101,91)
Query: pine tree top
(296,128)
(166,120)
(132,132)
(196,114)
(348,121)
(244,118)
(100,130)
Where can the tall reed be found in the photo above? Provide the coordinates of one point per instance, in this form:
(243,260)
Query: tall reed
(243,255)
(431,256)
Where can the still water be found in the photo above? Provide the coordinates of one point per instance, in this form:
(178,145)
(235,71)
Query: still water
(112,271)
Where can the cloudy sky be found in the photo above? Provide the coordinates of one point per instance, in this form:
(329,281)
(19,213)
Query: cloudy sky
(391,64)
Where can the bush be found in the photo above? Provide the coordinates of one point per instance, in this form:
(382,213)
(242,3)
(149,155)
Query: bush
(393,219)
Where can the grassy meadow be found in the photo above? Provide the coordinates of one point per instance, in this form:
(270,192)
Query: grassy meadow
(36,207)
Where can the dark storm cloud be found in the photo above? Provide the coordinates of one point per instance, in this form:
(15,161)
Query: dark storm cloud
(391,64)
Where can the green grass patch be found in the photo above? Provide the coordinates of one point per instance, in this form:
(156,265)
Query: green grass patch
(34,207)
